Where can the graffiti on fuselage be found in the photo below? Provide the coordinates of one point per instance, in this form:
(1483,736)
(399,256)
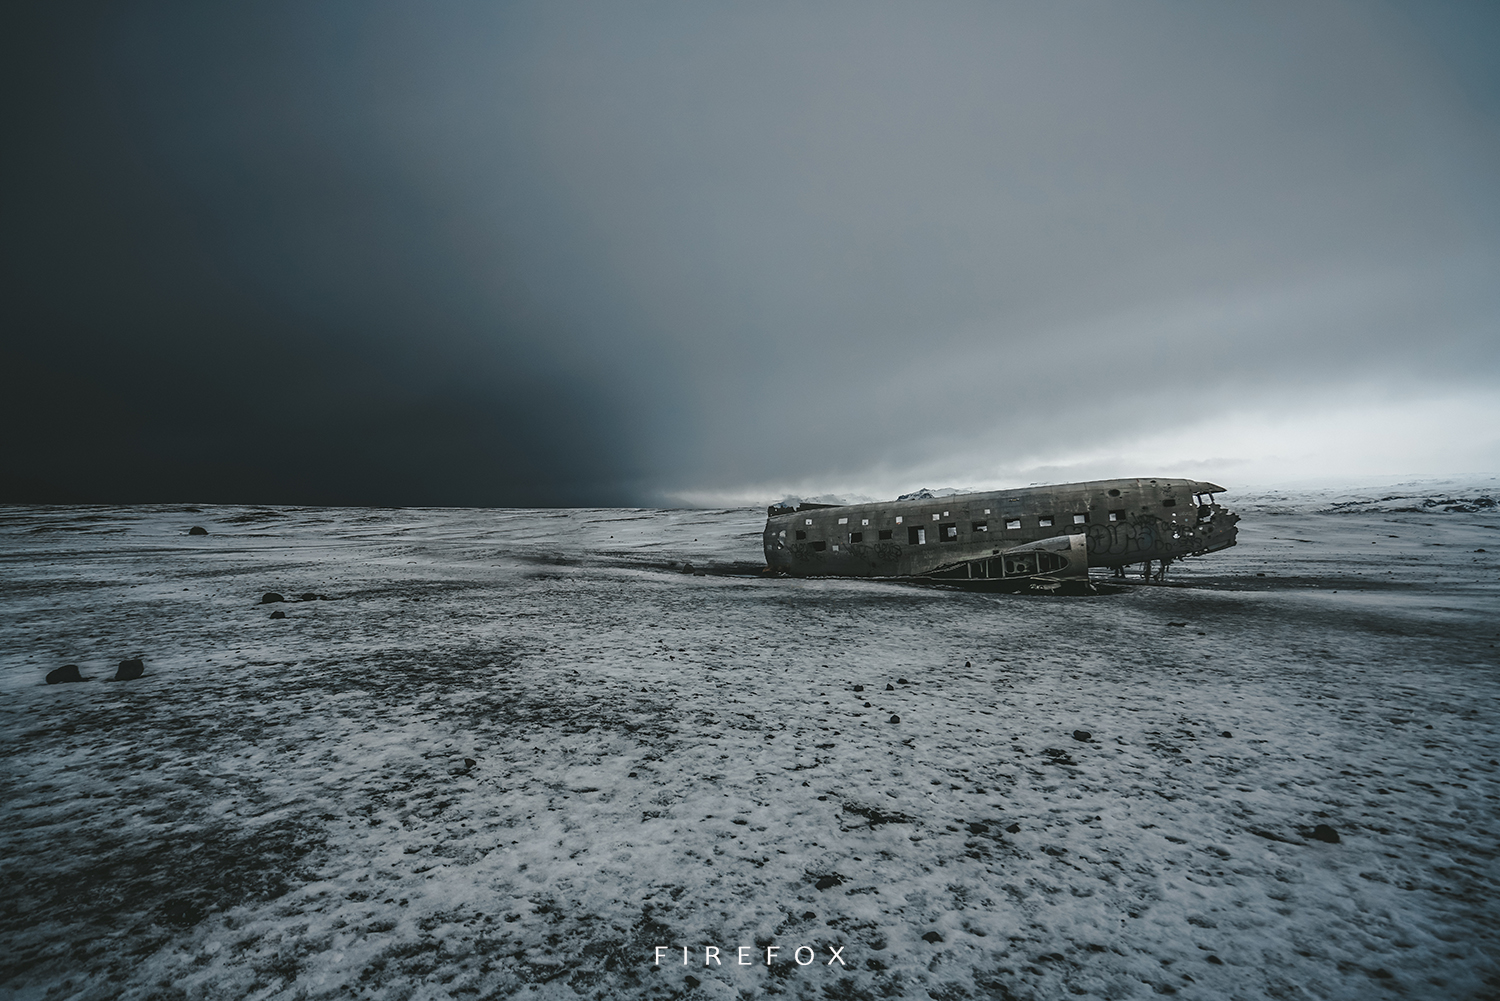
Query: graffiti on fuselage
(1144,534)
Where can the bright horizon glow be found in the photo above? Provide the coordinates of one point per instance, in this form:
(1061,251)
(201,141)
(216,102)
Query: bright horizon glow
(1365,439)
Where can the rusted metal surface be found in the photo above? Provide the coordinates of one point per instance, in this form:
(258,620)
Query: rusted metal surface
(1037,534)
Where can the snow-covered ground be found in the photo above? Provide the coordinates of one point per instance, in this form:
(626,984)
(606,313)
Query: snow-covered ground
(510,753)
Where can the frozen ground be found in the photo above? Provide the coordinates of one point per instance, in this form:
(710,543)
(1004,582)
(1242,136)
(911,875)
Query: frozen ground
(287,808)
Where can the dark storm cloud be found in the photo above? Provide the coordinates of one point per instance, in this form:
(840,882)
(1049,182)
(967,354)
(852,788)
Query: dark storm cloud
(600,253)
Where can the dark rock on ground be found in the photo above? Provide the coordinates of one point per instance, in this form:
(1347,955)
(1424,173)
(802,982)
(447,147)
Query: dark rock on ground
(1226,733)
(270,597)
(278,614)
(895,719)
(687,568)
(1179,625)
(859,688)
(808,915)
(66,673)
(1083,735)
(197,530)
(1014,828)
(890,688)
(829,882)
(902,681)
(470,763)
(932,937)
(129,670)
(869,706)
(967,664)
(1216,960)
(1325,833)
(309,596)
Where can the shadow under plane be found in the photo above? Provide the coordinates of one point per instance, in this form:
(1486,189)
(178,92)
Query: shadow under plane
(1037,537)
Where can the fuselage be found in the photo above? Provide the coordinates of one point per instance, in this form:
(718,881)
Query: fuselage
(1055,531)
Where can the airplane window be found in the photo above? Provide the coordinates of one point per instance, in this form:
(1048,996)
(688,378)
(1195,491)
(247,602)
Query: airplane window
(934,517)
(818,547)
(948,532)
(856,536)
(981,526)
(835,547)
(1013,524)
(809,521)
(1114,493)
(1117,516)
(865,522)
(1080,519)
(986,510)
(801,536)
(885,533)
(898,519)
(843,521)
(1045,522)
(916,536)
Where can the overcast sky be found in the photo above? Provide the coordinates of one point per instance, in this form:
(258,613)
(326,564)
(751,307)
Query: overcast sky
(647,253)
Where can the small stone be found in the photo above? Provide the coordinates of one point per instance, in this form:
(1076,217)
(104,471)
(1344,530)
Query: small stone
(311,596)
(270,597)
(1326,834)
(687,568)
(470,762)
(932,937)
(197,530)
(278,614)
(967,664)
(869,706)
(64,674)
(1226,733)
(1014,828)
(1260,575)
(1480,550)
(859,688)
(1216,960)
(902,681)
(691,981)
(890,688)
(1179,625)
(829,882)
(1083,735)
(895,719)
(808,915)
(129,670)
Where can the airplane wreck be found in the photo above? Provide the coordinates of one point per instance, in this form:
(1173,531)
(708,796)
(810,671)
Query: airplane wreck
(1038,537)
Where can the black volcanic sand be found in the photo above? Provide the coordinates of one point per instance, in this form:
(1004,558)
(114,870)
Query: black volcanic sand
(510,753)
